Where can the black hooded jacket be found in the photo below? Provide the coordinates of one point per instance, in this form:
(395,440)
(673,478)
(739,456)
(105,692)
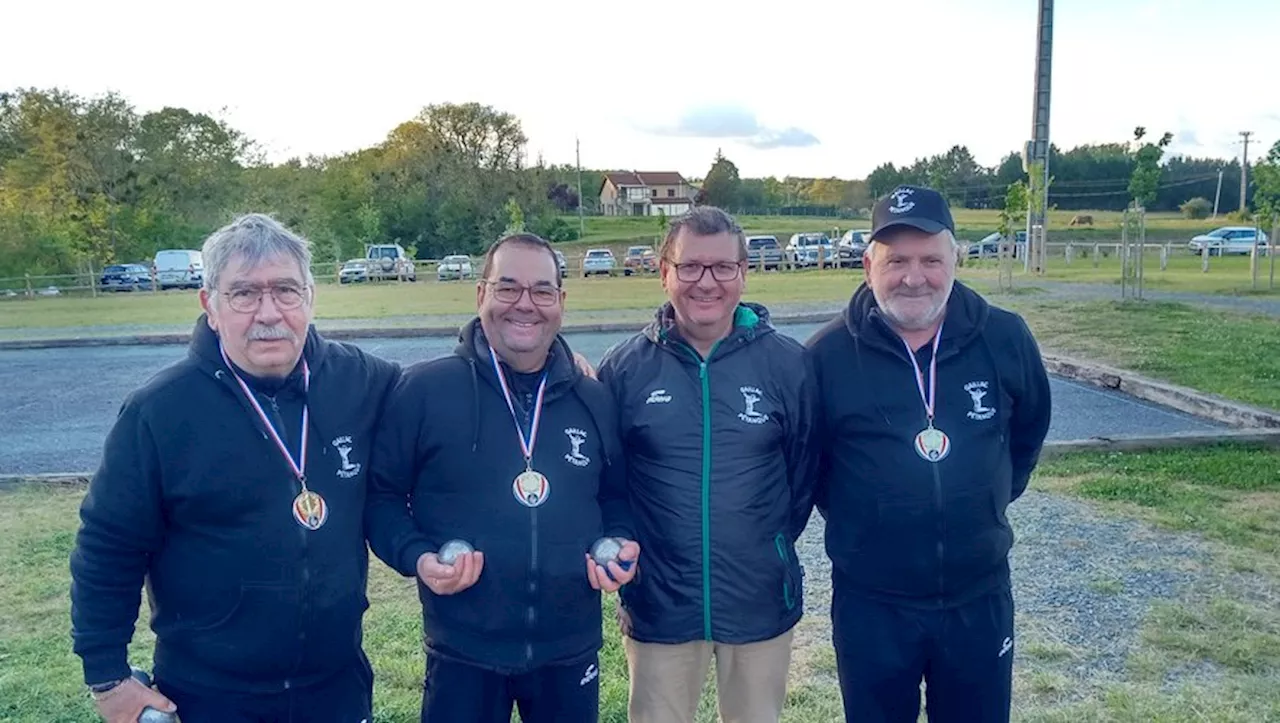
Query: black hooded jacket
(194,496)
(448,454)
(901,528)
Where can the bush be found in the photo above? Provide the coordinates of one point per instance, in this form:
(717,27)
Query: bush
(554,228)
(1197,208)
(1240,216)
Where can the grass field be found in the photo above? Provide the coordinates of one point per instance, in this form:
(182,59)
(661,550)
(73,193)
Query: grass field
(1230,275)
(1231,495)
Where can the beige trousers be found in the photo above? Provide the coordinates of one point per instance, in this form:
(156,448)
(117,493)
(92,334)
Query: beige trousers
(666,680)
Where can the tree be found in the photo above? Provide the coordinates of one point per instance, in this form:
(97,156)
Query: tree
(1196,208)
(722,187)
(483,136)
(1014,212)
(1145,180)
(884,179)
(515,217)
(1266,194)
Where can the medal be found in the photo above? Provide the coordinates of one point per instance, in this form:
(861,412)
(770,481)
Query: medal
(931,444)
(531,488)
(309,508)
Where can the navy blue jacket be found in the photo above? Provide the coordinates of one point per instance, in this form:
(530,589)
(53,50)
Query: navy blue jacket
(721,465)
(447,456)
(193,496)
(900,528)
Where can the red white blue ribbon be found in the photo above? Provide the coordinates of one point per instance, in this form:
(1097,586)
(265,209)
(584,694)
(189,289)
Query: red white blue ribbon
(526,445)
(931,397)
(299,467)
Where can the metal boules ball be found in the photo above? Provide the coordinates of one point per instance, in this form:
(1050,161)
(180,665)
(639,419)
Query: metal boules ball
(141,676)
(605,550)
(149,714)
(450,551)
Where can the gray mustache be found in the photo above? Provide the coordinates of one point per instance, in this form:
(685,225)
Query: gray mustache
(259,332)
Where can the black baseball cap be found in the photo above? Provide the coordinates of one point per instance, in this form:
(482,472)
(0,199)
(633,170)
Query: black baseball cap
(914,206)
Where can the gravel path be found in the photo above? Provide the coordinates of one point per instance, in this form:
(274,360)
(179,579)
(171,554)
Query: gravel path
(1083,583)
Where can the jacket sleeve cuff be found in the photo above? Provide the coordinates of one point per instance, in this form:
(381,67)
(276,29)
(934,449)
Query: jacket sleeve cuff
(413,551)
(106,666)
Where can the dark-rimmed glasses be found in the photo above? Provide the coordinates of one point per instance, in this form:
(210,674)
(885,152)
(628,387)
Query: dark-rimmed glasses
(510,293)
(692,273)
(247,299)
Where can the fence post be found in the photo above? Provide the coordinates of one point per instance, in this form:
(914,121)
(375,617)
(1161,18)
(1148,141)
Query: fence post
(1071,252)
(1164,257)
(30,292)
(93,282)
(1097,253)
(1204,259)
(1253,266)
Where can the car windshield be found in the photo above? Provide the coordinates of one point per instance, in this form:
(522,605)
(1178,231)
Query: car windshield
(757,243)
(1219,233)
(455,259)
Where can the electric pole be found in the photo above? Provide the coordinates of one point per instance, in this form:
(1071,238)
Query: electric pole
(1217,194)
(577,153)
(1244,170)
(1038,149)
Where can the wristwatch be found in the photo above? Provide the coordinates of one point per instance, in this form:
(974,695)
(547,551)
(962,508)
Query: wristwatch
(99,689)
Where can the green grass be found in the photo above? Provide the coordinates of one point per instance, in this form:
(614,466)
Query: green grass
(1229,275)
(1229,493)
(1233,355)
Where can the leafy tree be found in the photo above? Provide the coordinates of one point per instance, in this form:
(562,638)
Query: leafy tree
(722,187)
(1145,180)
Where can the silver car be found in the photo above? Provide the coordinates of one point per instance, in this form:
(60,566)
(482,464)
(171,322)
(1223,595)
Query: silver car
(455,267)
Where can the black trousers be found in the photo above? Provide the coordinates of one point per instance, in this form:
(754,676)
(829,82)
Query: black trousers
(964,655)
(344,698)
(459,693)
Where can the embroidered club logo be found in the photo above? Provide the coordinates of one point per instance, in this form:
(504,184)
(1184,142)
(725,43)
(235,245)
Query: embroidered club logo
(750,396)
(575,456)
(978,392)
(658,396)
(344,447)
(900,202)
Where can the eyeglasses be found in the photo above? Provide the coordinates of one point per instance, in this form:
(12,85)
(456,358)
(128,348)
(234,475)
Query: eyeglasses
(693,272)
(539,294)
(248,299)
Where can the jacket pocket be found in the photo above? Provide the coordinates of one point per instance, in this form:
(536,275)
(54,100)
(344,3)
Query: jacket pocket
(259,636)
(791,590)
(567,604)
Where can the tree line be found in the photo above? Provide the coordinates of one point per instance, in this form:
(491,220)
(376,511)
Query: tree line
(91,181)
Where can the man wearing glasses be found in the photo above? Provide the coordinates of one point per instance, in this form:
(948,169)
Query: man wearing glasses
(716,411)
(233,484)
(507,446)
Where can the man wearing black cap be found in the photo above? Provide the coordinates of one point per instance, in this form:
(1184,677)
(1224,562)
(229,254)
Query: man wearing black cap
(935,406)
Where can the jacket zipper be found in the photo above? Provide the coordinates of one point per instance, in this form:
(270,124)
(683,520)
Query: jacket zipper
(532,615)
(277,419)
(704,379)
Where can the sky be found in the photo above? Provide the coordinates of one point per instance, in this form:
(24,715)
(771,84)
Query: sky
(802,88)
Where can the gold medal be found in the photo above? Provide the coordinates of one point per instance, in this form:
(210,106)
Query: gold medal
(531,488)
(310,510)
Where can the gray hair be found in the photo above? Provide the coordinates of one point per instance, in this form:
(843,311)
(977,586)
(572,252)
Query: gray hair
(704,221)
(253,237)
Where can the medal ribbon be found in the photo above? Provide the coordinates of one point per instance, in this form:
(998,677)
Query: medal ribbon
(930,398)
(526,445)
(299,468)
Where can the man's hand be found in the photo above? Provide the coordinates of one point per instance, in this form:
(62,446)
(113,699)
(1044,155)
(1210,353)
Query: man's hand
(584,365)
(445,579)
(599,577)
(124,703)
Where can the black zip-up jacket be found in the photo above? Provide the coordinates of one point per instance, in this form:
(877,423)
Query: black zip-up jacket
(447,456)
(193,496)
(900,528)
(722,468)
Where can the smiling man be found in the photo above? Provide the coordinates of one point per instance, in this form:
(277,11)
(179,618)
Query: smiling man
(233,483)
(716,414)
(505,445)
(935,406)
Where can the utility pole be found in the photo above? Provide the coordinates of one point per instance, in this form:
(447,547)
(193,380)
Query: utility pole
(1217,194)
(1244,170)
(577,152)
(1038,148)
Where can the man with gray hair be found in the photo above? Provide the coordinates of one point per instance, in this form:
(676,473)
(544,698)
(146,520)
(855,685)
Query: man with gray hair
(934,408)
(233,485)
(716,412)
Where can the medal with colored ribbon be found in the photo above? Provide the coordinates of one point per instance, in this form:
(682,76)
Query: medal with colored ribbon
(530,487)
(931,443)
(309,509)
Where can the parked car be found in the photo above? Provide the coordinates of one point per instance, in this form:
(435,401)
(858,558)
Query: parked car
(853,244)
(598,261)
(354,271)
(126,277)
(389,261)
(808,248)
(454,267)
(1229,240)
(181,268)
(988,247)
(564,267)
(764,249)
(639,259)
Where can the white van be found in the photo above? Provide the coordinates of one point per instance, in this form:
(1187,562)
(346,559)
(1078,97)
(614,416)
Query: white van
(180,268)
